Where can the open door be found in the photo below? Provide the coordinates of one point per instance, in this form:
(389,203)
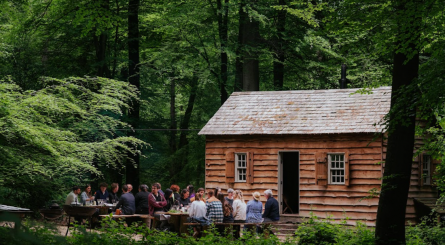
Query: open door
(289,182)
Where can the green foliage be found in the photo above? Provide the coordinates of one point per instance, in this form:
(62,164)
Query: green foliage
(60,135)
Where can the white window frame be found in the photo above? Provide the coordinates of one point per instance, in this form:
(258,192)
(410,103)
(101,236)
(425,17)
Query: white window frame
(426,169)
(239,168)
(331,169)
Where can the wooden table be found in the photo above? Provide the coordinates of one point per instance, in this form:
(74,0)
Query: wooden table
(178,220)
(82,212)
(19,214)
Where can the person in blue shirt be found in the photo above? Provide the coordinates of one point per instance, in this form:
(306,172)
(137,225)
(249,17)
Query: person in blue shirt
(102,193)
(271,209)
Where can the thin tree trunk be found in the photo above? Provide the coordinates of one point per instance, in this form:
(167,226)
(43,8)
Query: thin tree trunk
(188,114)
(251,65)
(132,167)
(239,54)
(172,139)
(278,64)
(116,39)
(223,36)
(100,43)
(390,225)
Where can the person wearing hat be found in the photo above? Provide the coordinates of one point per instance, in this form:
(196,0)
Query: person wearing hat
(271,209)
(229,197)
(254,209)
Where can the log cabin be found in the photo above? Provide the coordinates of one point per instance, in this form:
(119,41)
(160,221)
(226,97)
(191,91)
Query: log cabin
(319,151)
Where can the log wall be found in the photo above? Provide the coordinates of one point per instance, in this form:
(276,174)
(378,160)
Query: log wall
(338,201)
(365,152)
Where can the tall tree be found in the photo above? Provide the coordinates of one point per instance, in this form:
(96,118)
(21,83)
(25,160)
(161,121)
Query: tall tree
(132,168)
(223,19)
(278,43)
(242,18)
(251,65)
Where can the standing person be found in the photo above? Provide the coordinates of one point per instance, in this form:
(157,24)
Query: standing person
(214,208)
(254,209)
(130,188)
(112,196)
(156,202)
(169,198)
(102,193)
(126,202)
(176,195)
(191,192)
(86,195)
(141,199)
(72,196)
(239,211)
(184,200)
(229,197)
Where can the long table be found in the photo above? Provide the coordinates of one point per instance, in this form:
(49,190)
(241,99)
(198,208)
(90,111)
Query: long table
(19,213)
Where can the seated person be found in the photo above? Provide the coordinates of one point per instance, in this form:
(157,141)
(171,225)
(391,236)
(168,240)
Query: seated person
(214,208)
(102,193)
(197,211)
(86,195)
(126,202)
(184,200)
(156,202)
(72,196)
(271,209)
(176,195)
(142,200)
(254,209)
(170,200)
(112,195)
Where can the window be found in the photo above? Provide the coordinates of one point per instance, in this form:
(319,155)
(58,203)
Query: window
(426,170)
(336,163)
(241,167)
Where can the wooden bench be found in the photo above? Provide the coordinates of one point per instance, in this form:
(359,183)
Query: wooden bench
(146,218)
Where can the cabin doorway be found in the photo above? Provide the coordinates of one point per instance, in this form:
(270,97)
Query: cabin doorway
(289,188)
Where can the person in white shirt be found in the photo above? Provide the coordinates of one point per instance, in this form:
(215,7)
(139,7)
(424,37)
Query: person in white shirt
(72,196)
(239,210)
(198,207)
(197,210)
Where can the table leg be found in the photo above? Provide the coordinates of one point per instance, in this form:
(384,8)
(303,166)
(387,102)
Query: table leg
(69,219)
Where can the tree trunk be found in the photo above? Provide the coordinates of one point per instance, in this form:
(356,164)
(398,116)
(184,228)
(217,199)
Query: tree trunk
(132,167)
(223,36)
(116,39)
(188,114)
(100,43)
(278,64)
(238,85)
(251,66)
(172,139)
(390,225)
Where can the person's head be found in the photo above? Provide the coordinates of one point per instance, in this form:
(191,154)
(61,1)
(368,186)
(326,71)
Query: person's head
(88,188)
(168,193)
(115,187)
(185,194)
(198,197)
(238,195)
(130,187)
(155,188)
(201,191)
(174,188)
(220,197)
(143,188)
(159,184)
(125,188)
(76,190)
(217,191)
(268,193)
(230,193)
(256,196)
(103,186)
(210,193)
(191,189)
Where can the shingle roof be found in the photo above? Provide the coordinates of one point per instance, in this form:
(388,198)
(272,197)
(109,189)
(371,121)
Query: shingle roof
(300,112)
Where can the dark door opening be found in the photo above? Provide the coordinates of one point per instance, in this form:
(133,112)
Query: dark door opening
(291,182)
